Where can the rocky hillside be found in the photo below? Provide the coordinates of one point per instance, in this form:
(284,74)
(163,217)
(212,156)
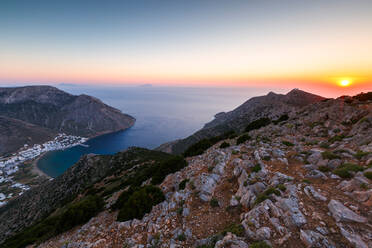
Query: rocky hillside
(14,133)
(301,181)
(57,111)
(270,106)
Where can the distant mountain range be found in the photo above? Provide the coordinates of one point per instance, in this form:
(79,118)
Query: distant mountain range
(34,114)
(270,106)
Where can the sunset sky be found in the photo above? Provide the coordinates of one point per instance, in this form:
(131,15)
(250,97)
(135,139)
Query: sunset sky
(312,45)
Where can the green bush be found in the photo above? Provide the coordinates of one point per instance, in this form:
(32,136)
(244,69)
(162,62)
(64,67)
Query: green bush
(256,168)
(324,145)
(352,167)
(80,212)
(75,214)
(224,145)
(198,148)
(236,229)
(202,145)
(282,187)
(257,124)
(266,158)
(140,203)
(342,172)
(260,244)
(345,169)
(183,183)
(282,118)
(336,138)
(123,198)
(323,168)
(214,203)
(266,194)
(181,237)
(361,154)
(287,143)
(329,155)
(368,175)
(167,167)
(243,139)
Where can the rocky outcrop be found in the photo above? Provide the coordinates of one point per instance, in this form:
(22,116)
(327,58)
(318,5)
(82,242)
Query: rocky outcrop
(51,109)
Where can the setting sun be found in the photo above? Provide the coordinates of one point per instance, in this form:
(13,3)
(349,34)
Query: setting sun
(345,82)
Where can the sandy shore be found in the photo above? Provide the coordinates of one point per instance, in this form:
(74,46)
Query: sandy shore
(36,169)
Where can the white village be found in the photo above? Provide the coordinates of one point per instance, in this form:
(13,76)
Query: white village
(10,165)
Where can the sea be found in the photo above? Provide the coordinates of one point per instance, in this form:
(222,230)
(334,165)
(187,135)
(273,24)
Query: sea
(162,114)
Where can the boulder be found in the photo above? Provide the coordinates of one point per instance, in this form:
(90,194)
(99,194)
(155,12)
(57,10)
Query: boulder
(344,214)
(313,239)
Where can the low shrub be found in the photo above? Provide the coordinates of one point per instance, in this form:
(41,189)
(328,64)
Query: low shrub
(266,158)
(257,124)
(344,171)
(183,183)
(224,145)
(140,203)
(361,154)
(214,203)
(324,145)
(243,139)
(329,155)
(80,212)
(167,167)
(266,194)
(336,138)
(282,118)
(256,168)
(234,228)
(352,167)
(260,244)
(202,145)
(181,237)
(368,175)
(75,214)
(287,143)
(323,168)
(282,187)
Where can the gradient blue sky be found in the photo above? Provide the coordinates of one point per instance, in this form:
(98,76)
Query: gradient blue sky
(187,42)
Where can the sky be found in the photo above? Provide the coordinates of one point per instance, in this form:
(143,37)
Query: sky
(312,45)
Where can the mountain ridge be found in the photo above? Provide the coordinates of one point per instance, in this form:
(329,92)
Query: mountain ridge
(271,106)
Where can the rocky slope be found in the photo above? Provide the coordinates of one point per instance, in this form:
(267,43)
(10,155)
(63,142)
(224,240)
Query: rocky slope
(301,182)
(272,106)
(14,133)
(50,108)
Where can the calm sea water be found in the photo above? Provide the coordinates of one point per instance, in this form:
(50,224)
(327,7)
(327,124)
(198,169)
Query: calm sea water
(163,114)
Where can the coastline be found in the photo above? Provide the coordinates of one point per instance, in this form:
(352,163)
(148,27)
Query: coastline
(35,169)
